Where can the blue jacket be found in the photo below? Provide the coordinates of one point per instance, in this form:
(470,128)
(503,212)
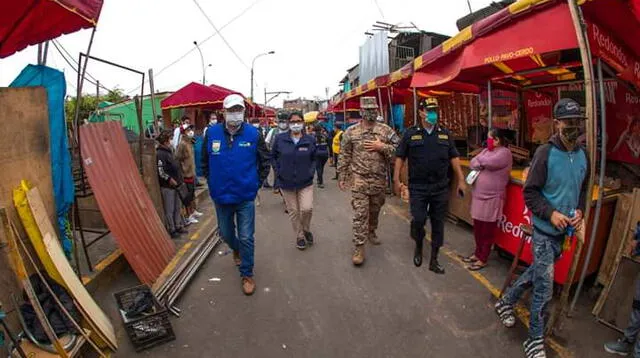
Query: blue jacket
(294,163)
(556,182)
(234,164)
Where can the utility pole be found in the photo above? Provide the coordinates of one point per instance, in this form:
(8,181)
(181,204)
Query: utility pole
(153,102)
(97,94)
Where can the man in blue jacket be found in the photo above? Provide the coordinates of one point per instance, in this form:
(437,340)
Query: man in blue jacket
(555,192)
(235,162)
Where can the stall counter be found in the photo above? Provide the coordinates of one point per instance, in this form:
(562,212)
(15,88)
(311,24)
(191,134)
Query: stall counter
(515,213)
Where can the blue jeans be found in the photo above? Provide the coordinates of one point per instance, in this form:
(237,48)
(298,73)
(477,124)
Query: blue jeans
(632,331)
(244,215)
(546,251)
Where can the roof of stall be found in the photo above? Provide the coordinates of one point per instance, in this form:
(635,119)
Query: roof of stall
(196,94)
(25,23)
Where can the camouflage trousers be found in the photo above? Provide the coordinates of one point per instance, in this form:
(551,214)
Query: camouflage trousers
(366,209)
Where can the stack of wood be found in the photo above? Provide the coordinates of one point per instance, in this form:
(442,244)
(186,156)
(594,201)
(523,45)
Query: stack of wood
(619,267)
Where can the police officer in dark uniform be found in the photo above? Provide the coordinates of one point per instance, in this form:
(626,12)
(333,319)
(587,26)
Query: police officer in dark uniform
(431,153)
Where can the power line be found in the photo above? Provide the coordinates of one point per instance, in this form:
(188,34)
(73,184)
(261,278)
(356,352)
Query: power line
(379,9)
(222,37)
(73,67)
(158,73)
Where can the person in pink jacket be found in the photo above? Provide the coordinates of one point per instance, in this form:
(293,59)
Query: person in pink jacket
(488,195)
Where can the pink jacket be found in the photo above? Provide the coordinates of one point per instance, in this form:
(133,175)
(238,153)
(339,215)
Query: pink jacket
(489,189)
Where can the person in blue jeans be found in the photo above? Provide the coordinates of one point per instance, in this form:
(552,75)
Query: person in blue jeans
(322,152)
(629,343)
(554,188)
(235,162)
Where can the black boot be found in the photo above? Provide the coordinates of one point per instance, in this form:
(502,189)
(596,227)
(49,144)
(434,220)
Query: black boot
(417,254)
(434,265)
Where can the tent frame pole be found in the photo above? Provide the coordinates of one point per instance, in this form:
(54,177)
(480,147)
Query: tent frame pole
(415,109)
(603,168)
(489,107)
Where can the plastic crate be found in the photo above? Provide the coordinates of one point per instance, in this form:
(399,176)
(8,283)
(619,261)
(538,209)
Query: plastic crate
(148,330)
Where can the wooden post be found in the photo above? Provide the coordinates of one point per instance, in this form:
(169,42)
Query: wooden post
(141,134)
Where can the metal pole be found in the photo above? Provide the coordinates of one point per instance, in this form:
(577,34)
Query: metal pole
(391,119)
(76,120)
(202,61)
(44,53)
(97,94)
(252,80)
(489,107)
(603,168)
(265,96)
(415,108)
(39,62)
(153,100)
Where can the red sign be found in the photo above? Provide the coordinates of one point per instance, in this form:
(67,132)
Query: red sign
(614,53)
(509,233)
(539,109)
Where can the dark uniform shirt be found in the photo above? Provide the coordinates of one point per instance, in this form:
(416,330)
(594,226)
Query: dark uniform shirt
(429,157)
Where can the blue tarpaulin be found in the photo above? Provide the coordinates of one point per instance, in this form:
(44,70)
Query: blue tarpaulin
(63,190)
(398,117)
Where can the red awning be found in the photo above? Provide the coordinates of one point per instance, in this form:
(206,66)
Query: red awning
(503,38)
(29,22)
(196,94)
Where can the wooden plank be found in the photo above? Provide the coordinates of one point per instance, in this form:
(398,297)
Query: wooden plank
(21,272)
(626,240)
(616,234)
(617,307)
(94,315)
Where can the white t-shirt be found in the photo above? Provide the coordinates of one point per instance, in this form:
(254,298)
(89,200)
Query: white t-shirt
(176,138)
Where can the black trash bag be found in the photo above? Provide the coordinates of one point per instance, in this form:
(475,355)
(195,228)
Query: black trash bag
(59,321)
(142,303)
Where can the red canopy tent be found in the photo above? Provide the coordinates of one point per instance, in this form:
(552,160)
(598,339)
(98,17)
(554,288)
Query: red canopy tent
(25,23)
(196,94)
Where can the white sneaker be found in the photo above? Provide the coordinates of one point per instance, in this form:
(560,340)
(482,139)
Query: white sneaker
(197,213)
(192,220)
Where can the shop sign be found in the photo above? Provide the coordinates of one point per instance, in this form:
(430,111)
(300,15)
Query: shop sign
(614,53)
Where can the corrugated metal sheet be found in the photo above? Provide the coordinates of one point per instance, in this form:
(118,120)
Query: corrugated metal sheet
(124,201)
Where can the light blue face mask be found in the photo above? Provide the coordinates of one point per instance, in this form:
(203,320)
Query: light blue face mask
(432,117)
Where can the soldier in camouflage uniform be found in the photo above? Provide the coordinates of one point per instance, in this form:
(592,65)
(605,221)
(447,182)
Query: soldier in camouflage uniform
(366,151)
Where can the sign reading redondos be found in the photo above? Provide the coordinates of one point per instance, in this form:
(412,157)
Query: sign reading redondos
(614,53)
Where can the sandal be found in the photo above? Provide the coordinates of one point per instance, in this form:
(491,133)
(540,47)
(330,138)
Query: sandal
(476,266)
(468,259)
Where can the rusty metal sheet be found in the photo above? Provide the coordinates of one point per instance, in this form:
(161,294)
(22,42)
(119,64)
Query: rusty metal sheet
(124,201)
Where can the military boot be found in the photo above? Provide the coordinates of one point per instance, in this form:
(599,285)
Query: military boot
(417,254)
(358,255)
(434,265)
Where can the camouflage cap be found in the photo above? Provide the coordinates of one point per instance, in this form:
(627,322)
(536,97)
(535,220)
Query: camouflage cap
(368,103)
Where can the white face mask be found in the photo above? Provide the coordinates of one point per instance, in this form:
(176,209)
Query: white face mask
(283,126)
(234,119)
(256,125)
(296,127)
(190,134)
(213,121)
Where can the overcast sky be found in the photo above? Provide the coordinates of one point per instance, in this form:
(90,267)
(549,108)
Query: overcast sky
(315,41)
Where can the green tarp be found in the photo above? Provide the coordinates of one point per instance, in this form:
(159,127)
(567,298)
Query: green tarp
(125,112)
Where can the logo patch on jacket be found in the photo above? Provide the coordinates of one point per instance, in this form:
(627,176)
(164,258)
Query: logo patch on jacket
(416,137)
(215,146)
(244,144)
(303,149)
(443,136)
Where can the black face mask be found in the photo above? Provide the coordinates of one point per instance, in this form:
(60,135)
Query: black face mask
(571,134)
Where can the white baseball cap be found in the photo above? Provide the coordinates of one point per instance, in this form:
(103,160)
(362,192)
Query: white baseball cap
(233,100)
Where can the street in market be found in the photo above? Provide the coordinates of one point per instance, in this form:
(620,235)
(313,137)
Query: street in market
(458,183)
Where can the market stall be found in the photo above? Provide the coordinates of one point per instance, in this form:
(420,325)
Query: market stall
(198,102)
(520,69)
